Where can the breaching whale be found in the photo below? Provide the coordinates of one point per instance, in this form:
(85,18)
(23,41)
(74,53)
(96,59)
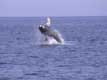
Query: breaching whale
(48,32)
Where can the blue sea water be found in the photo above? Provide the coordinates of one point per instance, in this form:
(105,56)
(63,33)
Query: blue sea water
(84,57)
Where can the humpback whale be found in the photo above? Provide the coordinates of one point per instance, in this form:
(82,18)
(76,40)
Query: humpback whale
(48,32)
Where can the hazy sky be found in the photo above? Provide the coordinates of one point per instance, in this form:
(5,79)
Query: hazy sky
(53,8)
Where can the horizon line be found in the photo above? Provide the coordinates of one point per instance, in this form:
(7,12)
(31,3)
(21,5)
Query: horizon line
(52,16)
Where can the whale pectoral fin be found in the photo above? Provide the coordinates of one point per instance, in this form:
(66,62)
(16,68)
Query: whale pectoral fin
(48,21)
(56,36)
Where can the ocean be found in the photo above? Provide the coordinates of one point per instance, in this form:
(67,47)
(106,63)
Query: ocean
(82,57)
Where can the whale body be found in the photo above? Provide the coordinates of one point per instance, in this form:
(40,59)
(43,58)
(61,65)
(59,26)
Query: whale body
(47,31)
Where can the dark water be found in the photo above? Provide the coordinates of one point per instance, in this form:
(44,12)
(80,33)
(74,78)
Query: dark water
(84,59)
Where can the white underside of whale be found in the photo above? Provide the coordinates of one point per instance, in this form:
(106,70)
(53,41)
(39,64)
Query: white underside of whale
(50,40)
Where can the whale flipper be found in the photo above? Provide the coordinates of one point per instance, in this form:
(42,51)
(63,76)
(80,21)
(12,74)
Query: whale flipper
(48,23)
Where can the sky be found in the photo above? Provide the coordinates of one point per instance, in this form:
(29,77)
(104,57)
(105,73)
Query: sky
(33,8)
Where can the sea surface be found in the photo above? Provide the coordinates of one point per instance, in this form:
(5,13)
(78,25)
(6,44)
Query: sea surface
(82,57)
